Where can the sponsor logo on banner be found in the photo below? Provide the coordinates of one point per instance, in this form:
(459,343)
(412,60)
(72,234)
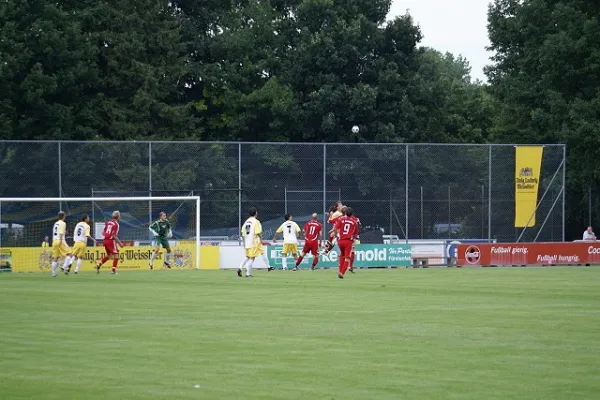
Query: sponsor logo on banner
(6,260)
(452,248)
(526,172)
(452,245)
(367,256)
(530,254)
(528,163)
(472,255)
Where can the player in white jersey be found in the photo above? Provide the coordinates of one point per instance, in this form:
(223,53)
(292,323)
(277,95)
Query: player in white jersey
(252,234)
(290,231)
(80,237)
(60,247)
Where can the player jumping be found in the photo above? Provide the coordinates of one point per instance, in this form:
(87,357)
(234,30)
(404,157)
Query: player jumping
(161,229)
(290,231)
(111,243)
(313,233)
(59,245)
(347,228)
(80,237)
(335,212)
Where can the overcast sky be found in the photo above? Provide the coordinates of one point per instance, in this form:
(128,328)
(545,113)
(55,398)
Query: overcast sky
(456,26)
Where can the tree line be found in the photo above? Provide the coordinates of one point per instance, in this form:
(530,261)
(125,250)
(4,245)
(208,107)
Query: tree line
(300,71)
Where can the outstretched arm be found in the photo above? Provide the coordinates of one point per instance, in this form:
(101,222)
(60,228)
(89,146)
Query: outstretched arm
(154,228)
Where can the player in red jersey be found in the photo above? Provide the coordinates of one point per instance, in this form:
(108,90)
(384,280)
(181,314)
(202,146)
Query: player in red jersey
(313,233)
(111,242)
(335,212)
(347,229)
(356,242)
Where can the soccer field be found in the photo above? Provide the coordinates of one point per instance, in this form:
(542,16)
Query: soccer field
(507,333)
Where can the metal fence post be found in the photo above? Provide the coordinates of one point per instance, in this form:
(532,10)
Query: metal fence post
(589,198)
(422,220)
(324,184)
(406,195)
(150,182)
(239,191)
(93,213)
(564,182)
(482,211)
(59,175)
(489,192)
(449,213)
(391,211)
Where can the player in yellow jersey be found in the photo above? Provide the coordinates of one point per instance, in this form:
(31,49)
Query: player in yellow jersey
(290,231)
(252,234)
(60,247)
(80,237)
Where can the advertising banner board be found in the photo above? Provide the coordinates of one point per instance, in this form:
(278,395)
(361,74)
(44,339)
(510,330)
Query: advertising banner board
(569,253)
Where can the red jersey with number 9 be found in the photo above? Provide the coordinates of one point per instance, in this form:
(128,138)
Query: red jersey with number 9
(312,229)
(111,229)
(347,228)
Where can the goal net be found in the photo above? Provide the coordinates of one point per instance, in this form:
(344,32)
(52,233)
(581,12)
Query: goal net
(26,230)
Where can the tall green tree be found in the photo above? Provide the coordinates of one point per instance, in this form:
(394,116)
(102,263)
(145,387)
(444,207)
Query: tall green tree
(458,109)
(306,71)
(93,70)
(546,76)
(47,67)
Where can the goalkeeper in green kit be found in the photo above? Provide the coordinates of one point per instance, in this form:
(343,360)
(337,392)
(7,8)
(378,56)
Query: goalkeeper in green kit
(161,229)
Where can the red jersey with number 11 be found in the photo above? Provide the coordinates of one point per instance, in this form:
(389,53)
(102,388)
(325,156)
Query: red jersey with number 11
(312,229)
(347,228)
(111,229)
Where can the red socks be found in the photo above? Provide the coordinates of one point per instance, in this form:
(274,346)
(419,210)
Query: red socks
(115,263)
(299,260)
(344,263)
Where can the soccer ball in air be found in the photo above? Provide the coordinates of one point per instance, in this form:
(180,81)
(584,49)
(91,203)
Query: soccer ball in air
(355,129)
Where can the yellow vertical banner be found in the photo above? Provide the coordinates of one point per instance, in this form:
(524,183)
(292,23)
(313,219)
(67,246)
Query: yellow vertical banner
(528,163)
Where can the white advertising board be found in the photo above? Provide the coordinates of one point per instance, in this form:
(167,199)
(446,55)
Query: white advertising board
(231,257)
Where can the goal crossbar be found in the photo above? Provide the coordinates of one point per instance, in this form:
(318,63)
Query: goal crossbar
(130,198)
(123,198)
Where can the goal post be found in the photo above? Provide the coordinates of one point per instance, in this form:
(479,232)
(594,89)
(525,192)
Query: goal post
(26,229)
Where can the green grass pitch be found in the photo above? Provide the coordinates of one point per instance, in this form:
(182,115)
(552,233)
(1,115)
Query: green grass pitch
(508,333)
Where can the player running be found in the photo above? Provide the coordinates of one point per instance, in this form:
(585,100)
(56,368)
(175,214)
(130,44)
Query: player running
(60,247)
(80,237)
(356,243)
(111,242)
(290,231)
(347,228)
(313,233)
(161,229)
(252,234)
(335,212)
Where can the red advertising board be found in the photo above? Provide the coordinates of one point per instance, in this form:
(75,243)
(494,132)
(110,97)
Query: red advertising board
(529,254)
